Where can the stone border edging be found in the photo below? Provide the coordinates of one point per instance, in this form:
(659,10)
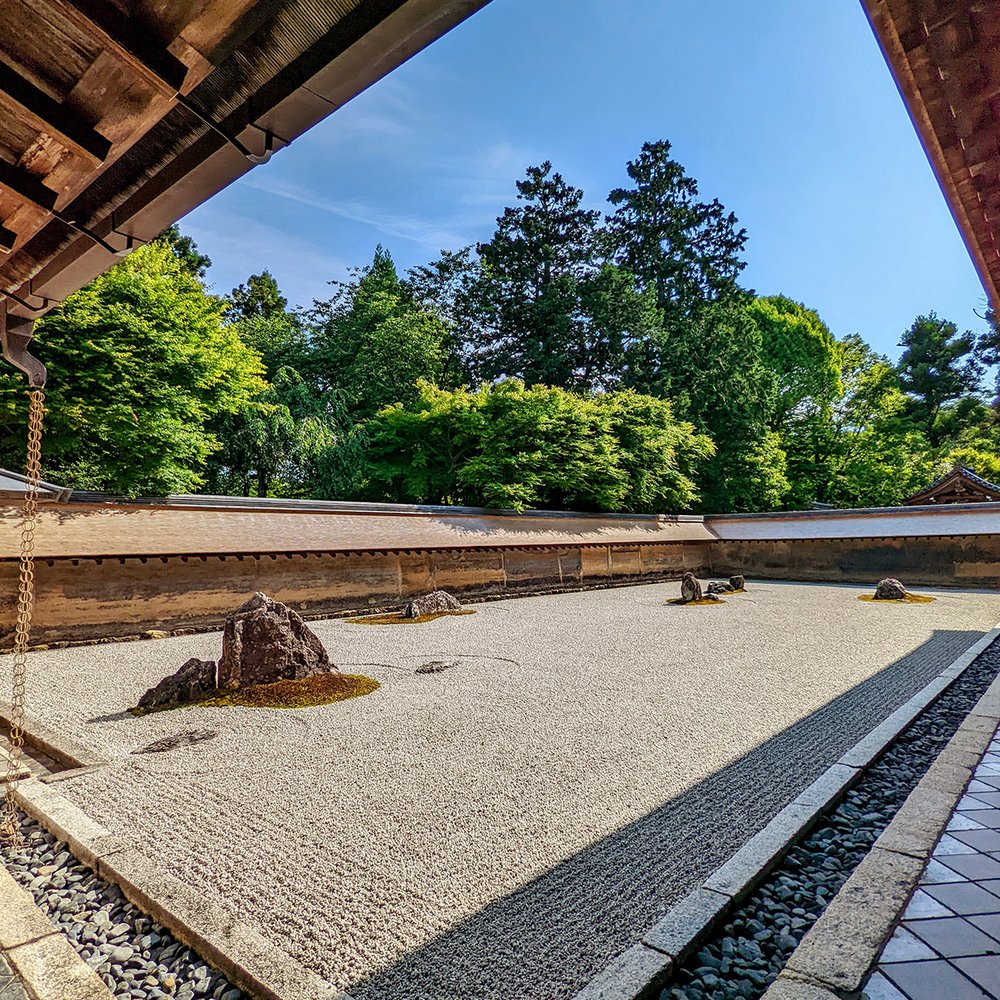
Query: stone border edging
(640,972)
(75,757)
(38,951)
(838,952)
(245,956)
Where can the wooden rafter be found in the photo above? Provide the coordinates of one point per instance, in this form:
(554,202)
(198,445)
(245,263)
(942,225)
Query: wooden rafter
(51,117)
(27,186)
(132,42)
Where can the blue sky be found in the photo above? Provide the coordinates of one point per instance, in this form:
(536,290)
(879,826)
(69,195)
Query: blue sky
(783,109)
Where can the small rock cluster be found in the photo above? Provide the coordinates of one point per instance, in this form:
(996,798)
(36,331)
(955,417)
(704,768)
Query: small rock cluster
(691,588)
(263,642)
(746,954)
(890,589)
(435,603)
(135,957)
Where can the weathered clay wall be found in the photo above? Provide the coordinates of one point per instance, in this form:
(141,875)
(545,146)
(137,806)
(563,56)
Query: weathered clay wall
(94,597)
(944,560)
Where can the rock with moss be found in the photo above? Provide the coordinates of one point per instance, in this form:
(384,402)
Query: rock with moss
(890,589)
(195,681)
(719,587)
(435,603)
(737,582)
(690,588)
(264,641)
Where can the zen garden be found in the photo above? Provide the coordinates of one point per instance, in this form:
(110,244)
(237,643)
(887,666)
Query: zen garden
(552,600)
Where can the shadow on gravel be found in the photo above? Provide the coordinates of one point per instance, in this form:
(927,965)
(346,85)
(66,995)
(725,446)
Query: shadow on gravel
(546,940)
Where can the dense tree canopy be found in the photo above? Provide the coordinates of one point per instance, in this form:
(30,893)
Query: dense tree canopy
(139,364)
(576,357)
(515,446)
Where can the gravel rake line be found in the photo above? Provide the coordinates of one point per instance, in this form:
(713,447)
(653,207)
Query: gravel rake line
(743,958)
(134,956)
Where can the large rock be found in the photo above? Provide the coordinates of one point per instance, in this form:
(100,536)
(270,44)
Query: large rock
(717,587)
(690,588)
(434,603)
(737,582)
(195,681)
(264,641)
(890,590)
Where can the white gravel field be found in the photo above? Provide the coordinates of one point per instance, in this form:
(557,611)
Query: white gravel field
(502,829)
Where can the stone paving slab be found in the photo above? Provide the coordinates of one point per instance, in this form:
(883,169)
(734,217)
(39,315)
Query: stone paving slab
(947,944)
(37,962)
(11,987)
(506,828)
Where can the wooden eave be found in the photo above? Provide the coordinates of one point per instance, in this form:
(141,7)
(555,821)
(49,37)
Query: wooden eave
(945,58)
(117,117)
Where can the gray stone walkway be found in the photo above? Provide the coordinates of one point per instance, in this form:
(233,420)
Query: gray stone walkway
(948,944)
(10,985)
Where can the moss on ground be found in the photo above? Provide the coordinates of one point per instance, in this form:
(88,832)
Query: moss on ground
(909,599)
(396,618)
(320,689)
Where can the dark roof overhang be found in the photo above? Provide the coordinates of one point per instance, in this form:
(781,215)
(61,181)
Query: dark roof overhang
(945,58)
(118,118)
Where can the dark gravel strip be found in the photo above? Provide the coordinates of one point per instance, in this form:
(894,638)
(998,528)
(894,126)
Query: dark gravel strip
(752,947)
(136,957)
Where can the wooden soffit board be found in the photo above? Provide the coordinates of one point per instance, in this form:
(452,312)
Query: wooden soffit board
(945,58)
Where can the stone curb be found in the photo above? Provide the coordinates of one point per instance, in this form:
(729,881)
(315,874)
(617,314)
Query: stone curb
(62,749)
(246,957)
(40,953)
(687,923)
(840,949)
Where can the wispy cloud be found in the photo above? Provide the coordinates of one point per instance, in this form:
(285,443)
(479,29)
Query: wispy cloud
(423,232)
(395,161)
(240,246)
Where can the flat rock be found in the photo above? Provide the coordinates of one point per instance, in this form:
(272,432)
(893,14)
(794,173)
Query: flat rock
(434,603)
(184,739)
(890,589)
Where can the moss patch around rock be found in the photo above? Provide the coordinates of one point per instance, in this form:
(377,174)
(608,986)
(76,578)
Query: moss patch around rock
(687,604)
(396,618)
(909,599)
(320,689)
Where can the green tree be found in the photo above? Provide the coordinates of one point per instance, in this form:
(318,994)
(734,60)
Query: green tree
(186,251)
(688,251)
(938,366)
(372,341)
(543,447)
(140,364)
(859,450)
(712,368)
(659,455)
(539,301)
(508,445)
(799,348)
(527,286)
(258,298)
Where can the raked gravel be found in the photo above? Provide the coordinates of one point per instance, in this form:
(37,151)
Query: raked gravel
(751,948)
(504,828)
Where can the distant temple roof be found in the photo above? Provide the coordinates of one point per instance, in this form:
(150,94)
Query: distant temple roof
(960,485)
(12,488)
